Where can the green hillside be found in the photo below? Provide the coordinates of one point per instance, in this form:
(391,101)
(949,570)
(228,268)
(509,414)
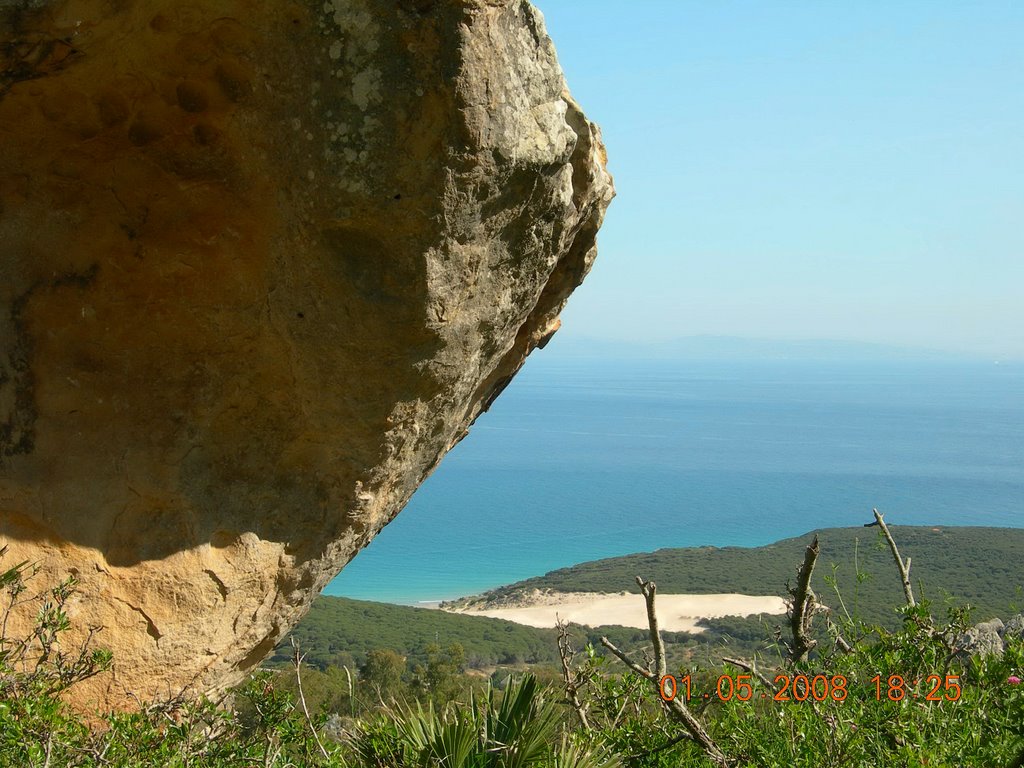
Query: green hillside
(338,625)
(339,631)
(980,566)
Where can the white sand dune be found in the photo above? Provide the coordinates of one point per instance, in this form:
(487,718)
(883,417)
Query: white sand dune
(676,613)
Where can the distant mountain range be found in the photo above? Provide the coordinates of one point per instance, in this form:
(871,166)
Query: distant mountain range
(734,348)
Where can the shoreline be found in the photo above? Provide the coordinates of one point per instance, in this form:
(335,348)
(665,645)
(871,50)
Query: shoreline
(404,589)
(676,613)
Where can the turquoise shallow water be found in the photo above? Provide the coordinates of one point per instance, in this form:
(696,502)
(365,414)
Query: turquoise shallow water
(582,460)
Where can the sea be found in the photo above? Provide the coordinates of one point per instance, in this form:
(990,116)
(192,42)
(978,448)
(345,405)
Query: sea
(583,459)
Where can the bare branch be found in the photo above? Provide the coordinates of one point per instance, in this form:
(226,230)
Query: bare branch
(696,728)
(676,708)
(569,676)
(833,628)
(682,736)
(351,692)
(645,673)
(904,567)
(49,749)
(297,659)
(751,667)
(648,589)
(801,612)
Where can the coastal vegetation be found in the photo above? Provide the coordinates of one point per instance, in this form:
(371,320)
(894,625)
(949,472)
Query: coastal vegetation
(835,690)
(338,631)
(978,566)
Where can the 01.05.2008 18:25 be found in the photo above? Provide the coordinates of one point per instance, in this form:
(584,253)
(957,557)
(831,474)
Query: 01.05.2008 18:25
(815,688)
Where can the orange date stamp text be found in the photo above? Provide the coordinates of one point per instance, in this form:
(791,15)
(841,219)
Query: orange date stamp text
(815,688)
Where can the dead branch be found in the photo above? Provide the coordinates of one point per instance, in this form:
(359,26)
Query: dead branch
(648,590)
(645,673)
(570,678)
(696,729)
(834,630)
(751,667)
(904,567)
(351,692)
(683,736)
(801,612)
(297,659)
(676,708)
(844,646)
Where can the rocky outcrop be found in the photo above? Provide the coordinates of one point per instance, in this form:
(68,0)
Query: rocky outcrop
(263,264)
(1013,629)
(991,638)
(983,639)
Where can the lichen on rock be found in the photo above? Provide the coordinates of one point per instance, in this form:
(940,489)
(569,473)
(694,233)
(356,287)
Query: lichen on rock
(263,266)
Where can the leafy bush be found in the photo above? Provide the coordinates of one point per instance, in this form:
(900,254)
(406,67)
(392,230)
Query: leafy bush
(972,564)
(904,699)
(901,694)
(37,728)
(519,730)
(911,696)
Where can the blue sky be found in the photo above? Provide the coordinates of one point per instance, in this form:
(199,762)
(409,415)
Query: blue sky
(790,170)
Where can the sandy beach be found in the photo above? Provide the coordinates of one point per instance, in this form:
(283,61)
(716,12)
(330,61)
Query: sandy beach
(676,613)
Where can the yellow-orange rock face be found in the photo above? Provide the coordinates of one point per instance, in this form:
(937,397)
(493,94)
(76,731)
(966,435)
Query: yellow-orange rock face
(262,265)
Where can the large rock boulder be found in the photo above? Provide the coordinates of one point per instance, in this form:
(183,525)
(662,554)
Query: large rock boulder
(263,264)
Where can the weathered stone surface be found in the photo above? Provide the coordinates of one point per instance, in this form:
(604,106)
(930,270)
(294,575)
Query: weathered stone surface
(263,263)
(983,639)
(1014,629)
